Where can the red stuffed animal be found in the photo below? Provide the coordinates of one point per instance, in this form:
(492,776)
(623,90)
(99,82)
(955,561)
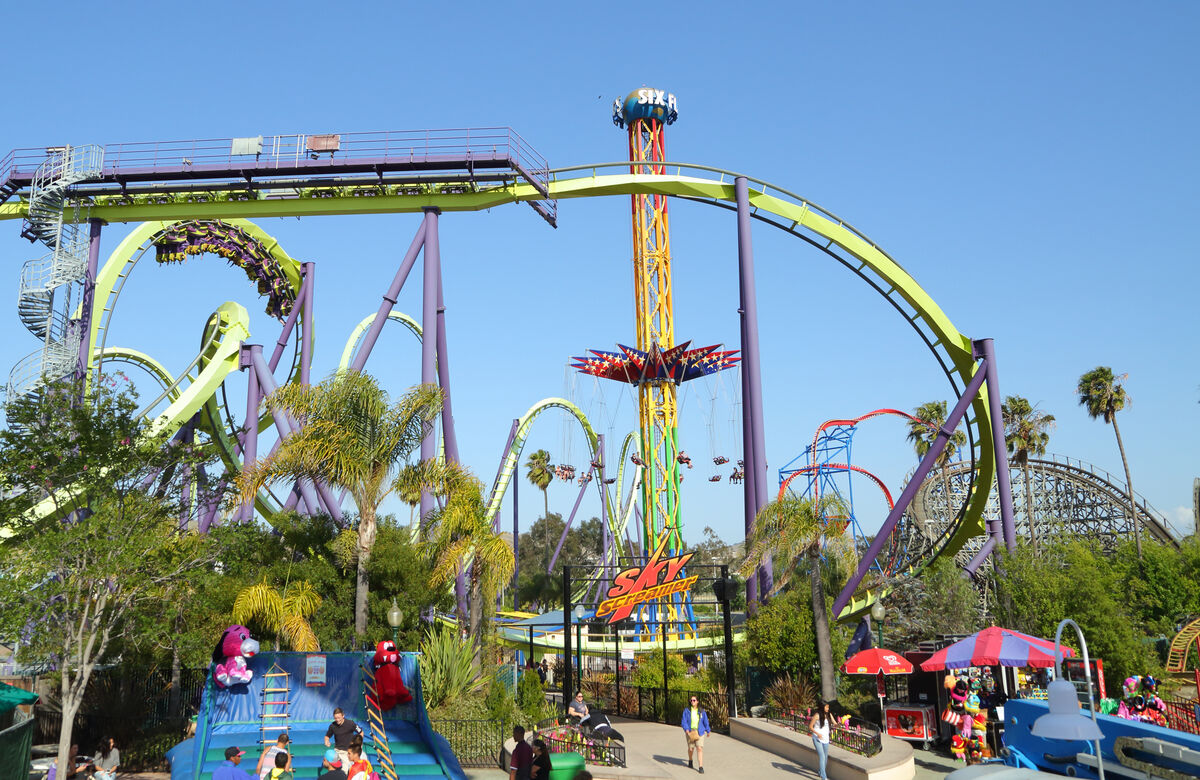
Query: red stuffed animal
(388,684)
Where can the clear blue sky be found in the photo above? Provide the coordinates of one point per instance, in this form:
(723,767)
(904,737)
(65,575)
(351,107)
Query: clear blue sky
(1033,165)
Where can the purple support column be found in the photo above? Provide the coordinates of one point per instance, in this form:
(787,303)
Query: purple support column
(604,529)
(443,371)
(389,300)
(985,350)
(212,505)
(310,278)
(289,324)
(910,490)
(250,430)
(974,564)
(566,530)
(754,451)
(429,340)
(89,296)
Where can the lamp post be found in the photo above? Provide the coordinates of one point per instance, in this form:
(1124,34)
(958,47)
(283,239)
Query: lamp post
(395,618)
(1064,721)
(878,614)
(579,613)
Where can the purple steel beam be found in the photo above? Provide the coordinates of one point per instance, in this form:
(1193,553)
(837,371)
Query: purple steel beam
(985,349)
(982,555)
(289,324)
(389,300)
(89,295)
(429,340)
(212,505)
(910,490)
(245,512)
(563,538)
(287,425)
(443,370)
(310,279)
(512,435)
(754,446)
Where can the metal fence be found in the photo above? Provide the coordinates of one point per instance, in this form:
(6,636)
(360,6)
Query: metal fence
(1182,714)
(857,735)
(653,705)
(569,739)
(476,743)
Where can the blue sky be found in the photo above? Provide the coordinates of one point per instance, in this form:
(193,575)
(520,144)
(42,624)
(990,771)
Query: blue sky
(1032,165)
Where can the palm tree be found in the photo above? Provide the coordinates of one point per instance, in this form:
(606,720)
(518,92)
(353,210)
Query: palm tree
(460,530)
(540,473)
(354,437)
(1026,432)
(1103,394)
(922,432)
(284,615)
(791,529)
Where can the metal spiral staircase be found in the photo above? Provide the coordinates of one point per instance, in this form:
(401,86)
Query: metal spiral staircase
(52,285)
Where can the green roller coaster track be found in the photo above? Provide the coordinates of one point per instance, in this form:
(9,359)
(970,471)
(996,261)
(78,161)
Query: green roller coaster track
(773,205)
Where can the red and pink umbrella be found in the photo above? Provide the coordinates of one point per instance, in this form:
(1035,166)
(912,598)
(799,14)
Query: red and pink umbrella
(995,646)
(877,660)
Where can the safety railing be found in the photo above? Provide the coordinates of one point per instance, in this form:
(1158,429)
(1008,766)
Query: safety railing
(476,743)
(595,750)
(1181,714)
(854,734)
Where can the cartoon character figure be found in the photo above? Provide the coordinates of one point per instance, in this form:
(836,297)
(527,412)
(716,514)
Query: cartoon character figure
(979,727)
(1130,708)
(958,747)
(230,657)
(971,710)
(956,709)
(1155,711)
(388,684)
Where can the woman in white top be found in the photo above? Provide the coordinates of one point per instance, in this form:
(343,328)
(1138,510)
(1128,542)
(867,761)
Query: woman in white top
(820,724)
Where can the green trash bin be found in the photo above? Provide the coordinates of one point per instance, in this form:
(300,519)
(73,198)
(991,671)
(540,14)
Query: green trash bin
(563,766)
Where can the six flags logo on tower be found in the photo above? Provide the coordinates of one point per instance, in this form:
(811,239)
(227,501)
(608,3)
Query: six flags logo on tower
(640,584)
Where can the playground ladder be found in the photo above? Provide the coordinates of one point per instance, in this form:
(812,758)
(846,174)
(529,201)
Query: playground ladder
(378,732)
(1177,655)
(276,693)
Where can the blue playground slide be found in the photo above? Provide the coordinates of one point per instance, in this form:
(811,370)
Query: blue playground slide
(234,716)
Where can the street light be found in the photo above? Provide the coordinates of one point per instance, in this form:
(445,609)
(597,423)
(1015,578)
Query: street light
(395,618)
(579,613)
(1064,721)
(878,614)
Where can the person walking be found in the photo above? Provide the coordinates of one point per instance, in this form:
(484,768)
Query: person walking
(820,724)
(520,766)
(695,729)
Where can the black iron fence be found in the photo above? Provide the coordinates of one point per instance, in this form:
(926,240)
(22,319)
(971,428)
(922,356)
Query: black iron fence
(653,704)
(853,734)
(569,739)
(476,743)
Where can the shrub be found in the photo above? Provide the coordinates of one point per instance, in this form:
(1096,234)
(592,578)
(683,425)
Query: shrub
(716,702)
(531,699)
(447,672)
(791,694)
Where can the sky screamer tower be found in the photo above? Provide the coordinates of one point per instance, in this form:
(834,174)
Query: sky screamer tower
(657,366)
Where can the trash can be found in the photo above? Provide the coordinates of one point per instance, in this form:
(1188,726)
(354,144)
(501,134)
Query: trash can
(563,766)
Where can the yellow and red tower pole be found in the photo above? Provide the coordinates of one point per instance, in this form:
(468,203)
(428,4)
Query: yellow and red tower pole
(646,112)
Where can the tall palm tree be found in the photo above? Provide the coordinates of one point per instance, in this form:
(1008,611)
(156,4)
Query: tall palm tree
(1026,432)
(460,530)
(792,529)
(353,437)
(931,416)
(1103,395)
(285,615)
(540,473)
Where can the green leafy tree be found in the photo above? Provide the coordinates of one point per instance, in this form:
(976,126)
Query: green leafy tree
(582,546)
(1103,395)
(792,529)
(284,614)
(923,432)
(354,437)
(940,601)
(1026,432)
(458,532)
(96,528)
(540,473)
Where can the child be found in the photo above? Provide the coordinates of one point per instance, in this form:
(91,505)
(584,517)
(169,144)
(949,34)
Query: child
(360,767)
(281,772)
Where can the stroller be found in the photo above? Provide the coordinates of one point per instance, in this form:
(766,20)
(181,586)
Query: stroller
(597,725)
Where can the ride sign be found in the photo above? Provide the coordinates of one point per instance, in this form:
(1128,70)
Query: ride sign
(639,584)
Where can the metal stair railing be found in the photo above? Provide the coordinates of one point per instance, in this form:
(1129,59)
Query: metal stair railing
(375,718)
(276,702)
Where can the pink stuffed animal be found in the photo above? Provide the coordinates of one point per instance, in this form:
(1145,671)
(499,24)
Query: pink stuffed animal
(230,657)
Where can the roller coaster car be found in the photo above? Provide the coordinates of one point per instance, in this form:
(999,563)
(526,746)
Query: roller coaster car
(720,460)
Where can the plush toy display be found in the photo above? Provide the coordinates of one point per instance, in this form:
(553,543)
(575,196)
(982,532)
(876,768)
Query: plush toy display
(388,683)
(971,706)
(1156,711)
(956,710)
(230,657)
(958,747)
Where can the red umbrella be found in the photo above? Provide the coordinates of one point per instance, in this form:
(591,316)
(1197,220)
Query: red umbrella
(995,646)
(877,660)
